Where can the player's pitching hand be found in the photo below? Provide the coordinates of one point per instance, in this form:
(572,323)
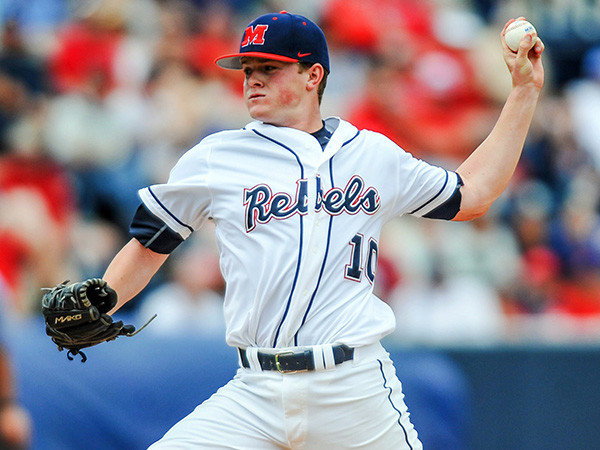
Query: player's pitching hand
(525,65)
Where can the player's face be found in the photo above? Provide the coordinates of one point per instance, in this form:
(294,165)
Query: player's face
(274,91)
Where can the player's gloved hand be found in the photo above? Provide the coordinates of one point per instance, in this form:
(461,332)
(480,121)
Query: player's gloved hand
(76,315)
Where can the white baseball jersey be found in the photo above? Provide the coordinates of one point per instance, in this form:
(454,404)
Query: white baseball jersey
(297,226)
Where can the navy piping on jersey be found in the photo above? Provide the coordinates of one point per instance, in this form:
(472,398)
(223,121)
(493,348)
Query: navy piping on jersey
(289,300)
(392,403)
(322,265)
(326,248)
(434,197)
(169,212)
(351,139)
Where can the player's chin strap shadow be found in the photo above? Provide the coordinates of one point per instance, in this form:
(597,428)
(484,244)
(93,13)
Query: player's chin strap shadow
(75,351)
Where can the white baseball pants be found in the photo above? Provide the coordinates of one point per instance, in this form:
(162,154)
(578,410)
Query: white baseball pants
(358,404)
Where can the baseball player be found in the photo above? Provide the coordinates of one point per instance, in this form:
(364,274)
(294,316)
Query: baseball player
(298,203)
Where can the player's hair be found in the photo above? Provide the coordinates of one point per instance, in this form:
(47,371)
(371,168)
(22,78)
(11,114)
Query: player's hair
(305,66)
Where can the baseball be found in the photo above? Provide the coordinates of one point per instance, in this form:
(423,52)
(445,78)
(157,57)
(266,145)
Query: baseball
(516,31)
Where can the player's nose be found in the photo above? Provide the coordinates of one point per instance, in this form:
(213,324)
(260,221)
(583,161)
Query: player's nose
(253,79)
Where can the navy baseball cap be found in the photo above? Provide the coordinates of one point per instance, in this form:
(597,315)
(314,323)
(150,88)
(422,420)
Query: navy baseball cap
(282,37)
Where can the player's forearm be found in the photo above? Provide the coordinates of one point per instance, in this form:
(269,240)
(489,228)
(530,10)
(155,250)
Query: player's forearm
(487,171)
(131,270)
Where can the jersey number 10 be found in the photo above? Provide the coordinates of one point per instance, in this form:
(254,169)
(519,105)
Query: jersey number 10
(355,269)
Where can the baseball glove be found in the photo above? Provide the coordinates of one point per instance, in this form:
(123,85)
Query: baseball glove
(76,316)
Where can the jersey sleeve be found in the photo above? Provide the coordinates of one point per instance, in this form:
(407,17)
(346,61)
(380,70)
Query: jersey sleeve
(422,189)
(170,212)
(439,193)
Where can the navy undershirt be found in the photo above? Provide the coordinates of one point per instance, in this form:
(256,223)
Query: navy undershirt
(323,135)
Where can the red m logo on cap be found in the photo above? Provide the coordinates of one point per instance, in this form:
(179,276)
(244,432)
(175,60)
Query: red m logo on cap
(255,35)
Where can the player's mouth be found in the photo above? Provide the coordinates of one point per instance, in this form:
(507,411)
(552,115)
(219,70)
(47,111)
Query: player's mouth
(255,96)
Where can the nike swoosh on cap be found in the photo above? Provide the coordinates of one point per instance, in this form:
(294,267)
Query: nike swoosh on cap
(302,55)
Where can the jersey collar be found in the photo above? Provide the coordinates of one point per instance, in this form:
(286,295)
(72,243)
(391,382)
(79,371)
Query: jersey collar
(342,132)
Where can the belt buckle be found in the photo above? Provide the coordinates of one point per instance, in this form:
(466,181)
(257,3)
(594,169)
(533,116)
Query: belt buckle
(278,364)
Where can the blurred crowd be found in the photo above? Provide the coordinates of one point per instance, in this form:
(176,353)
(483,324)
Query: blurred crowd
(99,98)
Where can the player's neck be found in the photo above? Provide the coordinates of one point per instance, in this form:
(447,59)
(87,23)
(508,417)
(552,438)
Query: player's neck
(308,123)
(311,126)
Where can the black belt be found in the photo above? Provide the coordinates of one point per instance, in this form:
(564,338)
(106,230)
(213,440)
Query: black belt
(296,361)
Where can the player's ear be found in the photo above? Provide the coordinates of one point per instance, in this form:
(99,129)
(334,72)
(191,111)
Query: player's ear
(315,76)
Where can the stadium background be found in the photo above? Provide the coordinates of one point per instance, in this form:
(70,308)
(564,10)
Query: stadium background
(498,319)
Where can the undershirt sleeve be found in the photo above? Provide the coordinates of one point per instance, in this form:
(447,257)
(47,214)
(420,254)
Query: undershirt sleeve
(450,208)
(152,232)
